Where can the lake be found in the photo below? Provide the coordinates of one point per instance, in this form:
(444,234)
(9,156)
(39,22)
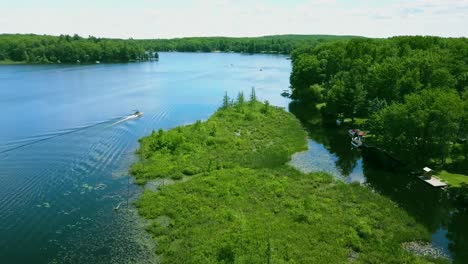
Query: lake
(65,150)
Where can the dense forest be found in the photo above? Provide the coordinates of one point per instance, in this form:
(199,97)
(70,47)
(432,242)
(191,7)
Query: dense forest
(411,90)
(73,49)
(69,49)
(283,44)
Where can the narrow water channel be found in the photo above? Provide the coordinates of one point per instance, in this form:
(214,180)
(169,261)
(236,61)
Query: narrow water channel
(330,151)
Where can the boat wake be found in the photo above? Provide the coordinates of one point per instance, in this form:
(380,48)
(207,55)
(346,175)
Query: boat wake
(21,143)
(130,117)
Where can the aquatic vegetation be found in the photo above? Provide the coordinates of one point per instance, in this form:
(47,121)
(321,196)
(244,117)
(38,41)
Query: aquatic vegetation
(87,187)
(242,204)
(45,205)
(100,186)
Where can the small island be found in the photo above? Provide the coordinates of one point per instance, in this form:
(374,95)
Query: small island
(235,200)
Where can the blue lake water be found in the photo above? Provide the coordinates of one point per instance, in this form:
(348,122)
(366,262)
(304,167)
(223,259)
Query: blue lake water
(64,155)
(65,152)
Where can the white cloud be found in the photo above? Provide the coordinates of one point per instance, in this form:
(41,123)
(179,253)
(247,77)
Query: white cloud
(150,19)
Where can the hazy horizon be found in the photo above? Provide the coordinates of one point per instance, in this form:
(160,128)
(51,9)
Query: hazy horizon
(147,19)
(181,37)
(168,38)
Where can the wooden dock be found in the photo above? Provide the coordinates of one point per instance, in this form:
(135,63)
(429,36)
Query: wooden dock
(433,181)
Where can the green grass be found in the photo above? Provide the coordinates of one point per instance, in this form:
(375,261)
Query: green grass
(11,62)
(357,120)
(247,136)
(242,204)
(455,180)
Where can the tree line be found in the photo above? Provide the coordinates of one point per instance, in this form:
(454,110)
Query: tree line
(282,44)
(413,90)
(71,49)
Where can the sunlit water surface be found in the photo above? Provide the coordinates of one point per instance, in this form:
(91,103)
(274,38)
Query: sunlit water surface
(65,151)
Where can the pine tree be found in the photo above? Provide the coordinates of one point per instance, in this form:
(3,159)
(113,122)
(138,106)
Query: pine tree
(240,98)
(253,96)
(226,101)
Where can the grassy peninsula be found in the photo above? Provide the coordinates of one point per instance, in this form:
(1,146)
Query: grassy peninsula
(240,203)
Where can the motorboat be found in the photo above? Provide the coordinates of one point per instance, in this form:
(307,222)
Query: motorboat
(356,133)
(356,142)
(137,113)
(357,137)
(285,93)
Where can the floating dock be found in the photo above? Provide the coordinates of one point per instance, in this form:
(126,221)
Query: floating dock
(433,181)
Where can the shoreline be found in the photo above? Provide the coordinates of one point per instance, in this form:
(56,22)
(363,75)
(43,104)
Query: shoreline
(11,62)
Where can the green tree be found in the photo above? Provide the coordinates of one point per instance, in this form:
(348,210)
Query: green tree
(226,101)
(307,71)
(240,98)
(253,96)
(426,123)
(346,100)
(376,104)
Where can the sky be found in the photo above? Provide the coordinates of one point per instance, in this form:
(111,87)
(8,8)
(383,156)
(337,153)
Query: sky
(185,18)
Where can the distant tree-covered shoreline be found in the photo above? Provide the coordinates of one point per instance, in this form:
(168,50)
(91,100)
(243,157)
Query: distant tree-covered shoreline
(70,49)
(281,44)
(29,48)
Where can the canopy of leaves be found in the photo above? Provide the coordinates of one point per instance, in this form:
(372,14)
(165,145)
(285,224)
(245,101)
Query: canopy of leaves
(388,69)
(362,77)
(426,123)
(70,49)
(282,44)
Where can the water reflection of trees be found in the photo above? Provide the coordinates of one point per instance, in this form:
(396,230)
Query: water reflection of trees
(426,204)
(434,208)
(336,141)
(458,225)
